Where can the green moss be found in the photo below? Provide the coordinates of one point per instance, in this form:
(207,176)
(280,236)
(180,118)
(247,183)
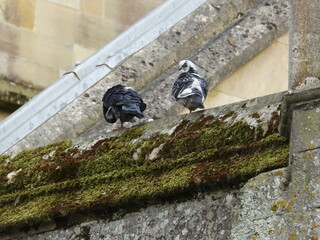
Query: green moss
(28,213)
(255,115)
(117,174)
(3,159)
(205,133)
(35,167)
(261,161)
(273,140)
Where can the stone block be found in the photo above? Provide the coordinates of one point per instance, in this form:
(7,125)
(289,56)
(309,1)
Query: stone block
(20,13)
(305,185)
(305,129)
(94,7)
(74,27)
(4,59)
(127,12)
(9,39)
(95,32)
(305,62)
(56,21)
(44,50)
(80,52)
(39,76)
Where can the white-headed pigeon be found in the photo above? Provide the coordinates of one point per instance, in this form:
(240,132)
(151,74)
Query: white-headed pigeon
(190,89)
(122,102)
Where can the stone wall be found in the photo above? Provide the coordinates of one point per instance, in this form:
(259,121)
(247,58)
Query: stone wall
(253,212)
(42,39)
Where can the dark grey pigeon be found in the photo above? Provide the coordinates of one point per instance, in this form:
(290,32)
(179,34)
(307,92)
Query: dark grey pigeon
(190,89)
(122,102)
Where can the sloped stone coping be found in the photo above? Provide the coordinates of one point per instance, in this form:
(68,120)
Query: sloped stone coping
(68,182)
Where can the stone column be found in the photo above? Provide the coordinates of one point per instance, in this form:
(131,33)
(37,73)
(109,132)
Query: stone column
(301,121)
(304,43)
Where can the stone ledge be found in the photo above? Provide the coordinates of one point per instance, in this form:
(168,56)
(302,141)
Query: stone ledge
(14,95)
(296,100)
(107,175)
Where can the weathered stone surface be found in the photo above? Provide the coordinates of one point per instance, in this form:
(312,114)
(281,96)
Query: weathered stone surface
(259,216)
(306,179)
(207,218)
(152,69)
(273,60)
(14,95)
(300,100)
(306,126)
(106,175)
(19,13)
(258,210)
(302,203)
(256,112)
(304,46)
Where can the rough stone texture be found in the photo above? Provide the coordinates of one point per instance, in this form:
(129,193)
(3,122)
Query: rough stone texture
(302,215)
(187,220)
(13,95)
(107,174)
(276,205)
(255,219)
(226,52)
(249,29)
(306,126)
(264,107)
(229,214)
(304,46)
(305,161)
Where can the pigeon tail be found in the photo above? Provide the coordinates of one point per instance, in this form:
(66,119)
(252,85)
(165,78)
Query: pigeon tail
(195,102)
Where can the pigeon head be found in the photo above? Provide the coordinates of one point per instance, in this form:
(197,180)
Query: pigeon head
(187,66)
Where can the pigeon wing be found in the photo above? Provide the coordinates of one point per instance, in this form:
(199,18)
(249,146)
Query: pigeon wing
(182,83)
(110,100)
(135,98)
(203,85)
(113,96)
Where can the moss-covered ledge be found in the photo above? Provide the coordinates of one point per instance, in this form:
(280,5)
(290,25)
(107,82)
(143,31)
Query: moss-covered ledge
(140,166)
(13,94)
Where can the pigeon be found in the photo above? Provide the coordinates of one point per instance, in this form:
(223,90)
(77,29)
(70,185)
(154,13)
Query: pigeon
(190,89)
(122,102)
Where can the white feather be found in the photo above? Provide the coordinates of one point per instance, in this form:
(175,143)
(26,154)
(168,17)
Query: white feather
(185,93)
(196,84)
(127,88)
